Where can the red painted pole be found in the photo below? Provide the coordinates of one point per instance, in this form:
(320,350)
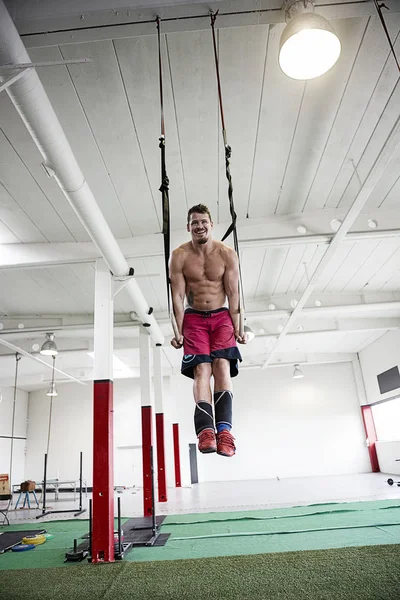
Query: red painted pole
(177,458)
(370,432)
(103,477)
(146,453)
(162,482)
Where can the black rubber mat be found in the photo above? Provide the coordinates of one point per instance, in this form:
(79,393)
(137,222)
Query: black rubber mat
(142,523)
(11,538)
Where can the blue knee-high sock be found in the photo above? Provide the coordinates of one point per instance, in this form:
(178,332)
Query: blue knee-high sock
(223,410)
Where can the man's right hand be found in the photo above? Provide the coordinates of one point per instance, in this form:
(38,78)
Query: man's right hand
(177,343)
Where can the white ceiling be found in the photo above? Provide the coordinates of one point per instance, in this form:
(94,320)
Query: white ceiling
(301,152)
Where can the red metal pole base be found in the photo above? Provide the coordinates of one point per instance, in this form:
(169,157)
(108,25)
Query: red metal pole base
(177,458)
(161,476)
(370,432)
(103,465)
(146,453)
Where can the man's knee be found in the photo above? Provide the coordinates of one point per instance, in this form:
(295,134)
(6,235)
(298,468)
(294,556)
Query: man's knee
(221,366)
(203,371)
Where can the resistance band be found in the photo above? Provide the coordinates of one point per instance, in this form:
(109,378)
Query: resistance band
(379,7)
(228,154)
(164,189)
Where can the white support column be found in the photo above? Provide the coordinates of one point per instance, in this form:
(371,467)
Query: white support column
(145,374)
(103,409)
(103,322)
(158,380)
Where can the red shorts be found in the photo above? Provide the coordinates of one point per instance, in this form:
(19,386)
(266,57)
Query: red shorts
(208,335)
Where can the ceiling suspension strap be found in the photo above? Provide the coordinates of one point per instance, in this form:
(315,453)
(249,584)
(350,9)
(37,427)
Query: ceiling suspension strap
(228,153)
(164,188)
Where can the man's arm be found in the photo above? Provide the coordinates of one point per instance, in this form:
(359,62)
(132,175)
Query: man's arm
(231,286)
(178,287)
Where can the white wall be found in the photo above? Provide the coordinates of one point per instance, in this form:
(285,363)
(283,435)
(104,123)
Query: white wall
(389,457)
(72,432)
(283,427)
(21,414)
(378,357)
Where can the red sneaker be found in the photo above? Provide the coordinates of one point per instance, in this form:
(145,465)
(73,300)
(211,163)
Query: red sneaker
(225,443)
(207,441)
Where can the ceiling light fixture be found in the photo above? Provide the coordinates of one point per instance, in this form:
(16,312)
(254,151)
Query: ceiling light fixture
(49,347)
(318,303)
(250,333)
(372,224)
(52,391)
(309,47)
(301,229)
(335,224)
(297,373)
(271,306)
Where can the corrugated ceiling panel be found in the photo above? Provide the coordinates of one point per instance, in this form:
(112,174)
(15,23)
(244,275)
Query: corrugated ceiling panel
(138,59)
(373,265)
(102,95)
(317,114)
(73,119)
(281,99)
(242,52)
(195,93)
(368,66)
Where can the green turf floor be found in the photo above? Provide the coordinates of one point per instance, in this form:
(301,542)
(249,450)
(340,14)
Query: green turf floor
(365,573)
(313,527)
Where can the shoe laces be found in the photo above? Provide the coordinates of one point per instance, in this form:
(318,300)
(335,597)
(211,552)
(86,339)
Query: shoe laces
(225,437)
(207,434)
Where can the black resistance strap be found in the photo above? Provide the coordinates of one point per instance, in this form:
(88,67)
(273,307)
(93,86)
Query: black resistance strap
(228,153)
(164,189)
(379,7)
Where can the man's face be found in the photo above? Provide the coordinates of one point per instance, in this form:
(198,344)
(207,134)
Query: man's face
(200,227)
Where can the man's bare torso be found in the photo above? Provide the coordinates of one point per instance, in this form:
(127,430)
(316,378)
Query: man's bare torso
(204,276)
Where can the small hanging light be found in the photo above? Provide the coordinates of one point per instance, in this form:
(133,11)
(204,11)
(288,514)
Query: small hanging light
(297,373)
(49,347)
(309,46)
(52,391)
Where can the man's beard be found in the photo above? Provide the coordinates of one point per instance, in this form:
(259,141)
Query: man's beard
(202,241)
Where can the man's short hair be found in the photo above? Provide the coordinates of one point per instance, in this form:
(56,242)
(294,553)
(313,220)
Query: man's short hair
(199,208)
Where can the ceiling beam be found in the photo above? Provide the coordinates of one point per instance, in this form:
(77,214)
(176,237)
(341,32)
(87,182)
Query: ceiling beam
(383,159)
(53,28)
(42,255)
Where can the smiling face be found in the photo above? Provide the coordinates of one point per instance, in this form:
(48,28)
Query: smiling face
(200,227)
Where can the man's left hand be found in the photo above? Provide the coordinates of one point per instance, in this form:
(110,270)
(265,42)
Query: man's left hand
(241,339)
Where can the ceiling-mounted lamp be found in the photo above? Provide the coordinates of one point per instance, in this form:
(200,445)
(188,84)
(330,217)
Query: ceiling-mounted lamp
(49,347)
(250,333)
(297,373)
(309,47)
(52,391)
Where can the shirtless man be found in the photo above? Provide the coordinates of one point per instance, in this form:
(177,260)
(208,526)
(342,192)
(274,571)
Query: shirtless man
(205,272)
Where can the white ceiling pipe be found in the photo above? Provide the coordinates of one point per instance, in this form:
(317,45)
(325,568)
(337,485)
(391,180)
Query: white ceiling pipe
(33,105)
(37,359)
